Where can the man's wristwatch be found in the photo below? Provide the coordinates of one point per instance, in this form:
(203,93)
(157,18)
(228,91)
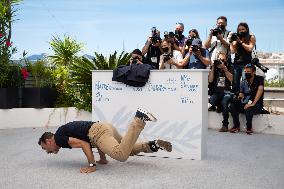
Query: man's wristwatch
(92,164)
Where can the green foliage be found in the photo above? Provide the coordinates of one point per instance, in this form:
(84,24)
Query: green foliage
(42,73)
(10,74)
(61,78)
(80,72)
(65,50)
(7,14)
(72,74)
(277,83)
(102,63)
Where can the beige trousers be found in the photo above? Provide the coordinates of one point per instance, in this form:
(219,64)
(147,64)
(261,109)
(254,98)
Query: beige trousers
(105,137)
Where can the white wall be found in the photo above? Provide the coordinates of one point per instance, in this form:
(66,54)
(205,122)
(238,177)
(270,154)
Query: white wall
(50,117)
(45,117)
(263,123)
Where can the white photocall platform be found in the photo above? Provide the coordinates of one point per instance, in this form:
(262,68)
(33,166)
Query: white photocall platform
(177,98)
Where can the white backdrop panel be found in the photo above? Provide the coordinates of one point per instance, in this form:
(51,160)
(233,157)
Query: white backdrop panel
(178,98)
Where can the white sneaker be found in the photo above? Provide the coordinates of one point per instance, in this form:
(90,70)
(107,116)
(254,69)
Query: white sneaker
(145,115)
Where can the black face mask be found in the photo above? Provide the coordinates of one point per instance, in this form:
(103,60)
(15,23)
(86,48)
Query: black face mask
(178,32)
(166,49)
(248,76)
(222,27)
(242,34)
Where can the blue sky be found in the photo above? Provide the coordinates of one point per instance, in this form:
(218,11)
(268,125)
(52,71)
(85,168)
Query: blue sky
(103,26)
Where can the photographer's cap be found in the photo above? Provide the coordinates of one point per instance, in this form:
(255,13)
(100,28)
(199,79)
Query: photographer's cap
(250,66)
(197,42)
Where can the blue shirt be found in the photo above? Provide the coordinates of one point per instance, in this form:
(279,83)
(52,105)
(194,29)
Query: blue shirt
(195,63)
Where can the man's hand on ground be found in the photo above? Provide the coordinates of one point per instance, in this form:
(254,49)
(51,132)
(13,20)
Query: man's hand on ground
(88,169)
(103,161)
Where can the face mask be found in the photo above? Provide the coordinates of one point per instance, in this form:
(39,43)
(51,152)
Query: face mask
(248,76)
(222,27)
(178,32)
(242,34)
(166,49)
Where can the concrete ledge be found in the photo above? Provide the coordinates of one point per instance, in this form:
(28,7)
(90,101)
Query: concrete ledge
(262,123)
(45,117)
(51,117)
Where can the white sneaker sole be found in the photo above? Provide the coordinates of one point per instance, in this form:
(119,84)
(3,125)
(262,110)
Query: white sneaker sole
(151,116)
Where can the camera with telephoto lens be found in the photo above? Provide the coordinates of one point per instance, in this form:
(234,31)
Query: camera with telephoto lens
(216,31)
(234,37)
(166,57)
(194,48)
(255,61)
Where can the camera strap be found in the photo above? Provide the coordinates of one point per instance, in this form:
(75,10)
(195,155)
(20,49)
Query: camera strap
(212,49)
(255,52)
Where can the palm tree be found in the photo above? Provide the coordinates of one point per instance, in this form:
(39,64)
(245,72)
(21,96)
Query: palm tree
(65,50)
(81,75)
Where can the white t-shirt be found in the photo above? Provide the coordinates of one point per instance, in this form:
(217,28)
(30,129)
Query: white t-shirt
(177,56)
(219,46)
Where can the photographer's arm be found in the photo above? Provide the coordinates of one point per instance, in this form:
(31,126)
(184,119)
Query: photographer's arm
(228,74)
(257,97)
(184,61)
(258,94)
(175,62)
(249,47)
(211,74)
(175,47)
(207,43)
(223,41)
(146,46)
(205,60)
(233,47)
(161,64)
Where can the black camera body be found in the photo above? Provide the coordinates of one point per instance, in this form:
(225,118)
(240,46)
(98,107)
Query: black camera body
(155,38)
(216,31)
(189,41)
(255,61)
(168,35)
(217,62)
(195,48)
(166,57)
(234,37)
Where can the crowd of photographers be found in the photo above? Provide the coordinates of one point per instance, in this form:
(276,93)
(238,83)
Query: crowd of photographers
(233,85)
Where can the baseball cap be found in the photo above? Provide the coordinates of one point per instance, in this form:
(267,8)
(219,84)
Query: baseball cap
(197,42)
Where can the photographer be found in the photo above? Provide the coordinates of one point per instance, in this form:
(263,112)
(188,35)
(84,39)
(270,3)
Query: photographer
(180,38)
(242,44)
(136,57)
(169,56)
(218,39)
(153,49)
(220,77)
(249,100)
(196,58)
(192,34)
